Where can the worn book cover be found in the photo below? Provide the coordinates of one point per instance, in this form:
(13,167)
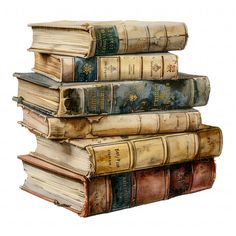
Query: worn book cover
(87,39)
(145,66)
(114,192)
(103,156)
(171,121)
(103,98)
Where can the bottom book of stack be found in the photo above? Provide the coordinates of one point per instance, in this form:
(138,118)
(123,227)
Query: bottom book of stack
(116,191)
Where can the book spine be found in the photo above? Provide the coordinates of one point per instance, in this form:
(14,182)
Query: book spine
(126,67)
(133,37)
(117,125)
(131,97)
(129,155)
(116,192)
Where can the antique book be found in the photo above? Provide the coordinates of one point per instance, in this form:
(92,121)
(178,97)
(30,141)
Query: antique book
(87,39)
(114,192)
(107,155)
(111,125)
(103,98)
(150,66)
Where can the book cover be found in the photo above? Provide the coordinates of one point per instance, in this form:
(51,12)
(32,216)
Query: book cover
(103,98)
(115,192)
(107,38)
(155,122)
(108,155)
(145,66)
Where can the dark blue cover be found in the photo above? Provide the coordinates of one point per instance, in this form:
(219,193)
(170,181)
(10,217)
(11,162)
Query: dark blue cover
(107,40)
(140,96)
(85,69)
(121,191)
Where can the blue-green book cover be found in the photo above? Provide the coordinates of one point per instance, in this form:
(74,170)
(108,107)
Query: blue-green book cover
(104,98)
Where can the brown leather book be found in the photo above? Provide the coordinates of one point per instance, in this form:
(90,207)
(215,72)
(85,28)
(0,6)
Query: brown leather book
(114,192)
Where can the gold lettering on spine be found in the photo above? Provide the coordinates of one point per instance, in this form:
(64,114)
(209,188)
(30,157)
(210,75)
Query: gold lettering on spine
(156,94)
(165,94)
(93,101)
(112,158)
(102,99)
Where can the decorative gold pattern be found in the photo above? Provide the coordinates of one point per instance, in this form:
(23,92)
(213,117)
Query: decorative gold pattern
(132,97)
(87,68)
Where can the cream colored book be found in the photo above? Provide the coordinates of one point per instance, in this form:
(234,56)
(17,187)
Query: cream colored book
(87,39)
(103,156)
(111,125)
(145,66)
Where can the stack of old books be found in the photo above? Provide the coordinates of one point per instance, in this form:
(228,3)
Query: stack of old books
(113,116)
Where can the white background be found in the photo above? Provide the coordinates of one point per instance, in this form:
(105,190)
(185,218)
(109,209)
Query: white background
(210,51)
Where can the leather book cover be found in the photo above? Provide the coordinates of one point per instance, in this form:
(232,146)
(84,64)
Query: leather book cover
(120,191)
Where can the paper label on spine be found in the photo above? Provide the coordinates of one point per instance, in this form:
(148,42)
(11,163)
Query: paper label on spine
(131,67)
(108,68)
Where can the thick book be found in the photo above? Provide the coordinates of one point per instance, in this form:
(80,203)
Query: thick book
(114,192)
(109,155)
(87,39)
(103,98)
(111,125)
(151,66)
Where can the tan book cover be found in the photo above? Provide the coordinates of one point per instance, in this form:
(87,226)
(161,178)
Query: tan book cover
(111,125)
(87,39)
(108,155)
(145,66)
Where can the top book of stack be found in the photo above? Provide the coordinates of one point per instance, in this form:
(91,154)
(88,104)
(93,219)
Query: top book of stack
(88,39)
